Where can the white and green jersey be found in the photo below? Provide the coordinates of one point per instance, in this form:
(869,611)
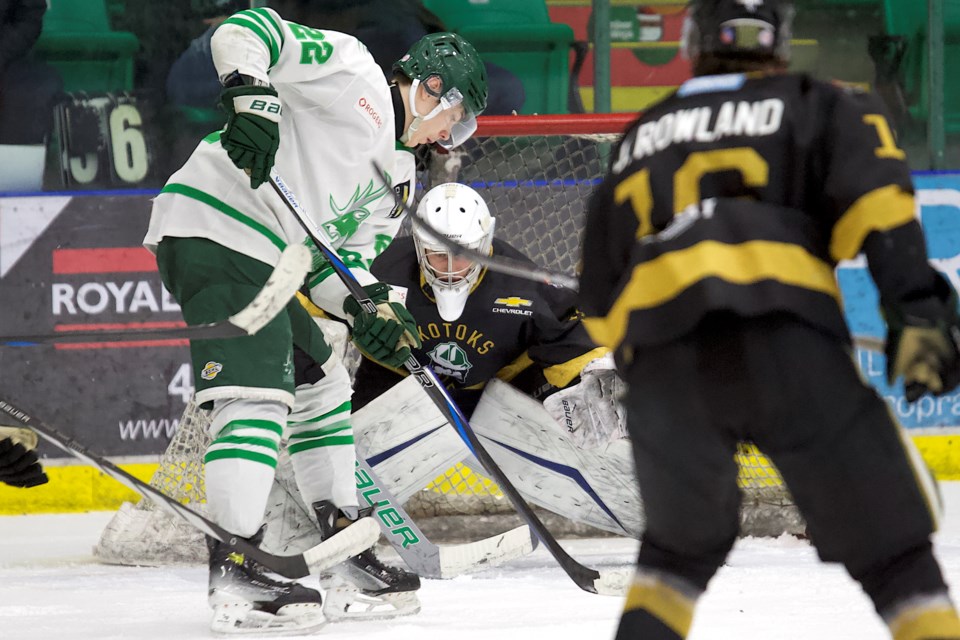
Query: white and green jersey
(337,119)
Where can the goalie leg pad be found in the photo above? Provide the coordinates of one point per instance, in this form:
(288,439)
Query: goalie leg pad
(406,440)
(595,486)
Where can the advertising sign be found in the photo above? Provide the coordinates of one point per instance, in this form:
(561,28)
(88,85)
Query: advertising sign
(75,262)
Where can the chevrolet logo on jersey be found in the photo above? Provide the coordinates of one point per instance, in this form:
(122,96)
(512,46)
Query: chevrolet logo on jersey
(513,301)
(513,304)
(449,359)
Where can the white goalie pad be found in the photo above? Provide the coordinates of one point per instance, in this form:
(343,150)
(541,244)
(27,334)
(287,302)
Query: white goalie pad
(595,486)
(405,439)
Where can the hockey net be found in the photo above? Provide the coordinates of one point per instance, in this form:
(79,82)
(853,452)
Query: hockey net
(536,174)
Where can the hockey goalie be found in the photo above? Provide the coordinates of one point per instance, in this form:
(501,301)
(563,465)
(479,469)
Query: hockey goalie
(516,360)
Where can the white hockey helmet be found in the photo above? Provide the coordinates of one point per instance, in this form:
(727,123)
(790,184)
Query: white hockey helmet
(460,214)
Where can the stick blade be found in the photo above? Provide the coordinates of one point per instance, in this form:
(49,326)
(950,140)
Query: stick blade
(458,559)
(358,537)
(283,283)
(613,582)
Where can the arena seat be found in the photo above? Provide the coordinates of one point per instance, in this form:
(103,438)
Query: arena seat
(519,36)
(78,41)
(908,20)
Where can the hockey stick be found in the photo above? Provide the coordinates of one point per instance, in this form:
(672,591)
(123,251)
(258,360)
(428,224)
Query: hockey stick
(348,542)
(287,277)
(586,578)
(427,559)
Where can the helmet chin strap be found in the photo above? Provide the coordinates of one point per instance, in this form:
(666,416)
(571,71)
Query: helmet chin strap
(417,118)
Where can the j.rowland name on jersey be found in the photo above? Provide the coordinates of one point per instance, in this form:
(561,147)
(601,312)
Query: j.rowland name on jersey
(701,124)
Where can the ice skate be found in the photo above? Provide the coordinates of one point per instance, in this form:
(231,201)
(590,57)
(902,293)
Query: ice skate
(363,587)
(246,600)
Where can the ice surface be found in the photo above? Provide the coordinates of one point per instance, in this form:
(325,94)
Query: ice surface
(51,588)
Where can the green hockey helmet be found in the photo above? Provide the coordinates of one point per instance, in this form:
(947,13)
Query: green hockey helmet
(463,80)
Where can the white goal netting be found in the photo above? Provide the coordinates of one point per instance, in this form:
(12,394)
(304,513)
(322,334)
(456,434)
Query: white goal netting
(536,174)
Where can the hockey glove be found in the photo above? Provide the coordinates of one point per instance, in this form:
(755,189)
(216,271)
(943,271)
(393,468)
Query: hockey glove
(252,134)
(19,465)
(388,335)
(590,411)
(923,343)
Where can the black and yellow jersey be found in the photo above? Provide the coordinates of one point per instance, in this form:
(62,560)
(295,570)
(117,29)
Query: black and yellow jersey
(526,333)
(740,193)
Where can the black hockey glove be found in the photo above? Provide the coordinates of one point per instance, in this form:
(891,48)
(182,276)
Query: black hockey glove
(923,342)
(19,465)
(388,335)
(252,134)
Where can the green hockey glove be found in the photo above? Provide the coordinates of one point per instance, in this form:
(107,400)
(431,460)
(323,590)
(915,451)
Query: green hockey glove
(387,335)
(19,465)
(252,134)
(923,343)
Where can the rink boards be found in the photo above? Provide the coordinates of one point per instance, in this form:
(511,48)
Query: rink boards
(74,261)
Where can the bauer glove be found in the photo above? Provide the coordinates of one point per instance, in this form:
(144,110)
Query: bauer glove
(388,335)
(923,342)
(252,134)
(590,411)
(19,465)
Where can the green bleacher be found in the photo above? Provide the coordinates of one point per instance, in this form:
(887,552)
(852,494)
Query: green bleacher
(78,41)
(519,36)
(907,19)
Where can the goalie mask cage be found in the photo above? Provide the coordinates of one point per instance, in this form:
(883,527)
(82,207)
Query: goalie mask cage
(536,174)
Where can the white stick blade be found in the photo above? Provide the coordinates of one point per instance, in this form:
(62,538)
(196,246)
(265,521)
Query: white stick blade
(281,286)
(458,559)
(613,582)
(358,537)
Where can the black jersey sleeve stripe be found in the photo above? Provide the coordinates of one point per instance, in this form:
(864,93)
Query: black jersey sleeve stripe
(656,282)
(882,209)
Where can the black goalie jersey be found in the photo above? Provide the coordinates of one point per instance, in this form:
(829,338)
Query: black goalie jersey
(741,193)
(526,333)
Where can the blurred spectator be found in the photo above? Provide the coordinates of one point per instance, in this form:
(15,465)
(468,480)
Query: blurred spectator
(386,27)
(192,81)
(29,88)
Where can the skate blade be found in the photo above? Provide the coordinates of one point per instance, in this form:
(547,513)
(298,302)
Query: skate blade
(342,604)
(291,619)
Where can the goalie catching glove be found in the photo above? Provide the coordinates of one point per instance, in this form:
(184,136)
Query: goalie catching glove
(590,410)
(387,335)
(252,134)
(19,465)
(923,342)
